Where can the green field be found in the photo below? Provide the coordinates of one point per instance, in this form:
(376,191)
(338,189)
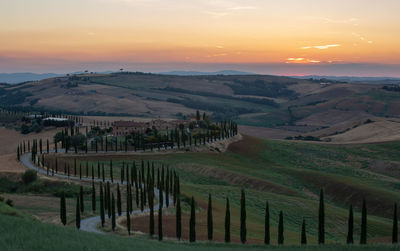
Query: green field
(31,235)
(289,175)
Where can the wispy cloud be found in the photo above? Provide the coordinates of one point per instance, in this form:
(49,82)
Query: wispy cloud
(361,37)
(321,47)
(301,61)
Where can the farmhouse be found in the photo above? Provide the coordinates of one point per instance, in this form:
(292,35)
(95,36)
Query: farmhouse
(128,127)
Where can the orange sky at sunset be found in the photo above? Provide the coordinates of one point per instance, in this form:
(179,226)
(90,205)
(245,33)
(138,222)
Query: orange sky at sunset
(55,35)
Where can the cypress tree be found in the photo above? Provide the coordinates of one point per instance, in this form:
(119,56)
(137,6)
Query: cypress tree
(81,199)
(75,167)
(227,222)
(192,223)
(109,208)
(267,235)
(395,227)
(350,226)
(102,172)
(280,229)
(160,228)
(78,214)
(363,236)
(93,197)
(167,189)
(18,154)
(209,219)
(112,213)
(141,198)
(128,221)
(87,169)
(151,207)
(102,216)
(98,170)
(118,201)
(80,171)
(105,197)
(48,147)
(63,210)
(111,172)
(243,229)
(178,218)
(303,233)
(321,219)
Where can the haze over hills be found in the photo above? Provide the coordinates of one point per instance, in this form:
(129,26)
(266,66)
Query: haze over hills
(13,78)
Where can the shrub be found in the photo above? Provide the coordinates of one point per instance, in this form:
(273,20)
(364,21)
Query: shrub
(9,202)
(29,176)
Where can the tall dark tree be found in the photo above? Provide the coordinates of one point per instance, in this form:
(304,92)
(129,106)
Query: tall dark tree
(227,222)
(395,231)
(47,146)
(280,229)
(363,235)
(303,233)
(102,216)
(109,207)
(111,172)
(112,212)
(82,204)
(77,214)
(63,210)
(128,221)
(209,219)
(350,226)
(178,218)
(267,234)
(102,172)
(243,230)
(160,227)
(321,219)
(151,207)
(119,210)
(93,197)
(192,222)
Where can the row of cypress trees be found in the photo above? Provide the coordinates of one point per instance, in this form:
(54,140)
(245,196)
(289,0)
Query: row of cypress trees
(145,191)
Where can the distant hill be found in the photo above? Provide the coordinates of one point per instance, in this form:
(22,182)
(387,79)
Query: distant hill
(300,106)
(351,79)
(199,73)
(13,78)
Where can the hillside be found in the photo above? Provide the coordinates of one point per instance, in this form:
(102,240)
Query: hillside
(293,106)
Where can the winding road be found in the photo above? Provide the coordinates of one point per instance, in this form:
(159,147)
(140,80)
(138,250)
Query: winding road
(89,224)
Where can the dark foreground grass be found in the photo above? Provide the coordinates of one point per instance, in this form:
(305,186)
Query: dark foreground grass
(24,234)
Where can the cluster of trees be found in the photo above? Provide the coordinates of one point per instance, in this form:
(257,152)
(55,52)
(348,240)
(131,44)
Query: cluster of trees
(97,139)
(141,181)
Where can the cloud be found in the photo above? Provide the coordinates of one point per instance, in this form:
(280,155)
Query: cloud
(301,61)
(219,46)
(320,47)
(361,37)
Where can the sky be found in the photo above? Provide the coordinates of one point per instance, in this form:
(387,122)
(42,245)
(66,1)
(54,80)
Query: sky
(285,37)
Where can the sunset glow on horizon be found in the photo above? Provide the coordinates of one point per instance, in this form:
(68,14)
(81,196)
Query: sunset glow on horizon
(310,32)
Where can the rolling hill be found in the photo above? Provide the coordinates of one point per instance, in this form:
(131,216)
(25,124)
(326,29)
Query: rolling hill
(294,106)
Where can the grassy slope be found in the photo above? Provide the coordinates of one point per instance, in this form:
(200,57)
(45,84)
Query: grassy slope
(289,175)
(31,235)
